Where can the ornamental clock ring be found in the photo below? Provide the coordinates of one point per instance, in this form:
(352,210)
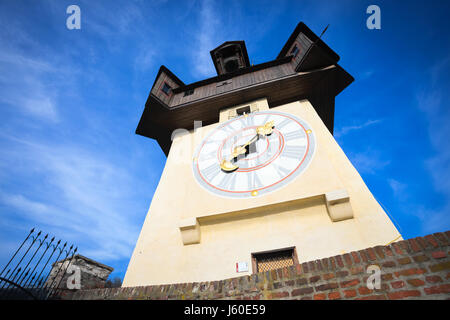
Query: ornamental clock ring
(253,154)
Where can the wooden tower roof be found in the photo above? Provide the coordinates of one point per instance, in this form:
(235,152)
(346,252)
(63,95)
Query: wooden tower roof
(305,68)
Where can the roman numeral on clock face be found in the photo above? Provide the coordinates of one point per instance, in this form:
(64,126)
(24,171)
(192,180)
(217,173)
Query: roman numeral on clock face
(228,181)
(297,134)
(246,121)
(294,152)
(228,129)
(210,172)
(253,181)
(283,123)
(212,142)
(209,155)
(266,119)
(281,171)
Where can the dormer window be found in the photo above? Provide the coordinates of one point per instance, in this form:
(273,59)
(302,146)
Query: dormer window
(166,88)
(295,51)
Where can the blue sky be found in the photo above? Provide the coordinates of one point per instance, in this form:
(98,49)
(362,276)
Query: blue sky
(70,100)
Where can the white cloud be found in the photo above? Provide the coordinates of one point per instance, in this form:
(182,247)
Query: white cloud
(344,130)
(366,74)
(112,19)
(432,100)
(369,161)
(85,196)
(398,188)
(29,81)
(206,39)
(68,179)
(42,107)
(144,59)
(22,203)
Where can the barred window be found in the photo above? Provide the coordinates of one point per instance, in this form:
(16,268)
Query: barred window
(295,51)
(270,260)
(166,88)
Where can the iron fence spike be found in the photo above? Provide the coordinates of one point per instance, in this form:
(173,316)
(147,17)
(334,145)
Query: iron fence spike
(25,276)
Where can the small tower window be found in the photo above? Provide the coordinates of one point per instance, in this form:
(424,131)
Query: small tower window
(166,88)
(243,110)
(295,51)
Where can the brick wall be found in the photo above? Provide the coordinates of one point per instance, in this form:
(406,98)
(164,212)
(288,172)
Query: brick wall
(417,268)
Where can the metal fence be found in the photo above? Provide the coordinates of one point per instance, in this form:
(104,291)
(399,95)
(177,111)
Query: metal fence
(26,275)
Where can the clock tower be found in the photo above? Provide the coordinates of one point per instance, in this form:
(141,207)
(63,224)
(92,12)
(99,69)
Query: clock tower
(254,179)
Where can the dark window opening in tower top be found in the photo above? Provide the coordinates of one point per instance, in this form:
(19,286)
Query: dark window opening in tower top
(295,51)
(243,110)
(274,260)
(166,88)
(188,93)
(231,64)
(230,57)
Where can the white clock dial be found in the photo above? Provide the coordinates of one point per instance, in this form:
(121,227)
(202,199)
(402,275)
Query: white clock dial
(253,154)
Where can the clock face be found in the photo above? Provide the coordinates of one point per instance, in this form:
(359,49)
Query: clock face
(253,154)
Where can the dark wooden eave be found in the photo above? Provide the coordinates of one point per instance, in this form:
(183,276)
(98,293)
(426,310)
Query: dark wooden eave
(230,75)
(158,121)
(315,58)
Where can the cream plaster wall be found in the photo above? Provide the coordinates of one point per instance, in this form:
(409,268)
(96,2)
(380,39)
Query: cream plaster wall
(231,229)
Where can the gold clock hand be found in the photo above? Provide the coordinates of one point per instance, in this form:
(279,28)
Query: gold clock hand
(228,166)
(264,130)
(242,148)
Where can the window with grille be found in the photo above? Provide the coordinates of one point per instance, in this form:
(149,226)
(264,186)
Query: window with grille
(166,88)
(295,51)
(265,261)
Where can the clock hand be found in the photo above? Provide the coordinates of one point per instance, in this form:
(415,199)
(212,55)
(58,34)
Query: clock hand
(264,130)
(227,165)
(242,149)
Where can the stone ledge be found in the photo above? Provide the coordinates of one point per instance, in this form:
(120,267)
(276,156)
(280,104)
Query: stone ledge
(337,204)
